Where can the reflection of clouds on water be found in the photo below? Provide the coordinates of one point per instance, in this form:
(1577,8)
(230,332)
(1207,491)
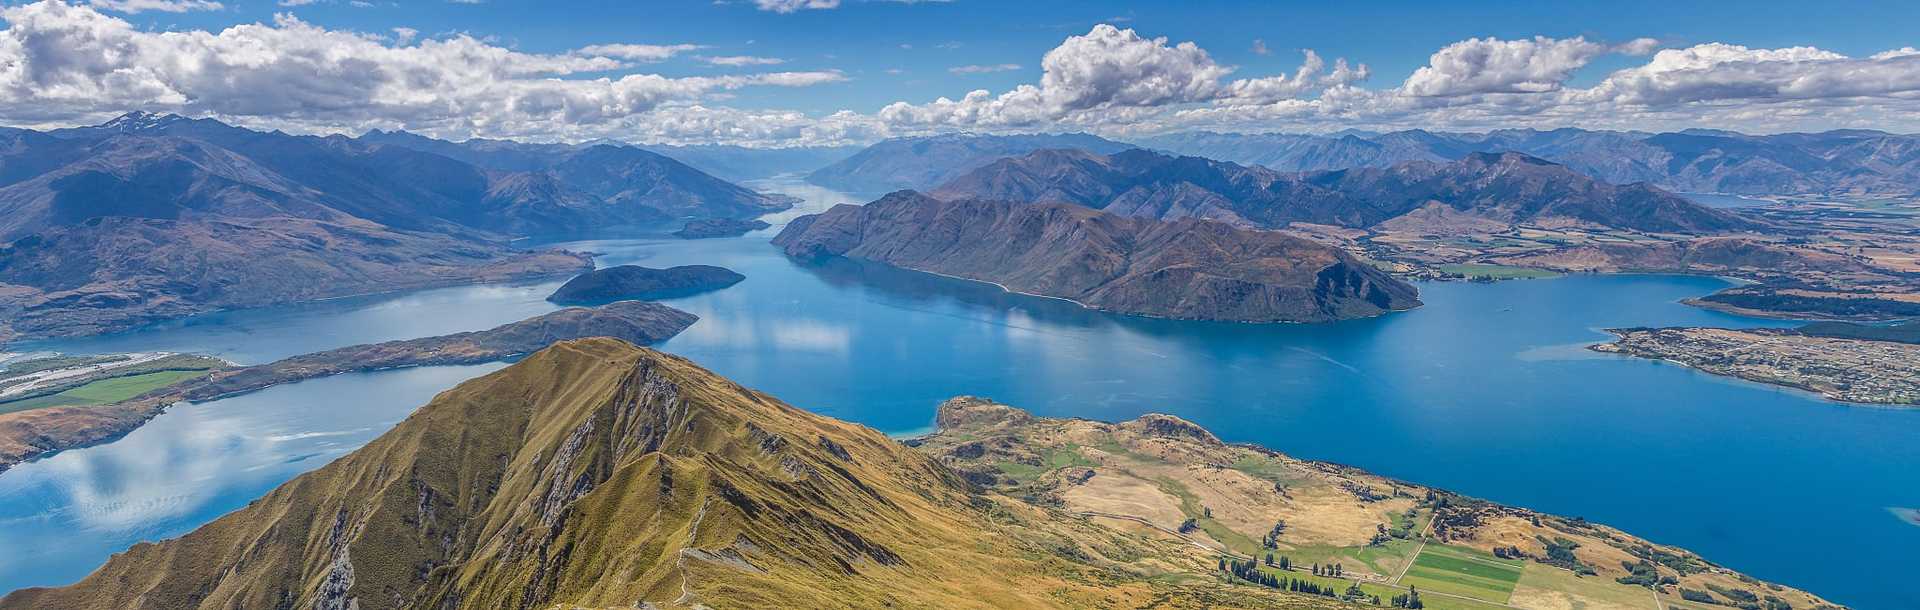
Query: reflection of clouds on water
(1909,515)
(811,335)
(158,475)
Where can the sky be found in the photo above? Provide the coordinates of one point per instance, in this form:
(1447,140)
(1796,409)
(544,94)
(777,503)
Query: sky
(830,72)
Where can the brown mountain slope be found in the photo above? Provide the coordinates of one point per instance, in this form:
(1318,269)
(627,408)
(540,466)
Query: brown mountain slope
(1386,535)
(1186,268)
(1510,188)
(599,474)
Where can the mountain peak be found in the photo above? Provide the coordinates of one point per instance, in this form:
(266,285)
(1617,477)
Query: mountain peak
(140,120)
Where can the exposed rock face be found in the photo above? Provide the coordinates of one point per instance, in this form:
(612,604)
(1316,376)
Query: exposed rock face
(708,228)
(1505,188)
(636,282)
(598,474)
(1187,268)
(1840,162)
(926,162)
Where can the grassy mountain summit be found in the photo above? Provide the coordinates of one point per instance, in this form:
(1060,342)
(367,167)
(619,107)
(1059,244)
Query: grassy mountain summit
(599,474)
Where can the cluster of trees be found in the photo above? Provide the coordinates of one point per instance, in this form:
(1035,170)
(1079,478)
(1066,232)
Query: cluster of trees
(1187,527)
(1645,575)
(1365,493)
(1410,599)
(1285,563)
(1560,554)
(1509,552)
(1334,570)
(1272,539)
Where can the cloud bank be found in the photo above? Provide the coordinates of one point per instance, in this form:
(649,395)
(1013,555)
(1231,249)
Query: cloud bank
(63,63)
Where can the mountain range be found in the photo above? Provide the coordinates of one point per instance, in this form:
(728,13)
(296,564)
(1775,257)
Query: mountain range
(1185,268)
(1841,162)
(148,217)
(1506,188)
(921,163)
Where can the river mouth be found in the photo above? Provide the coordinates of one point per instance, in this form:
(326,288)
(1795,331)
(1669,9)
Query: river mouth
(1484,391)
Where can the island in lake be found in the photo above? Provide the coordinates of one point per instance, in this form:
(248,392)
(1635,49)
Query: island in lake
(1186,268)
(1844,362)
(596,473)
(635,282)
(707,228)
(124,391)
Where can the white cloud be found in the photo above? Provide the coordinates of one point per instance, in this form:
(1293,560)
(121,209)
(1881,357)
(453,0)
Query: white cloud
(742,60)
(1260,47)
(164,6)
(1490,65)
(60,62)
(789,6)
(983,69)
(1107,75)
(638,52)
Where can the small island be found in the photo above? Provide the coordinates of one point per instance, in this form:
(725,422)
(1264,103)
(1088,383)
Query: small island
(707,228)
(1828,359)
(633,282)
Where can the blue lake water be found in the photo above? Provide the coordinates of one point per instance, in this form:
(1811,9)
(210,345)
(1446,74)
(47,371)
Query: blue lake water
(1486,391)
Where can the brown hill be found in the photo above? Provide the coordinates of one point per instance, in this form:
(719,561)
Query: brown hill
(1187,268)
(599,474)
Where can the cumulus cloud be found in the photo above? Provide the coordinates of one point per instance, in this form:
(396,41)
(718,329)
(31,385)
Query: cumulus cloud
(1715,71)
(164,6)
(64,62)
(1491,65)
(1110,74)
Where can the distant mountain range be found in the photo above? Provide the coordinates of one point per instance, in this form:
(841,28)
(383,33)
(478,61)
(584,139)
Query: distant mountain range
(921,163)
(1187,268)
(149,216)
(1858,162)
(1502,188)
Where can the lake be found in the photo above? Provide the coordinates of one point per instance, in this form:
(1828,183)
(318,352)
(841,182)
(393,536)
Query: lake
(1486,390)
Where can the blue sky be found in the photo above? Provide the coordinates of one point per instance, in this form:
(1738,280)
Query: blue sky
(865,55)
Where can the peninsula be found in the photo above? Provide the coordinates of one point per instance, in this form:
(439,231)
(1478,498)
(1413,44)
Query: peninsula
(29,433)
(1840,367)
(1185,269)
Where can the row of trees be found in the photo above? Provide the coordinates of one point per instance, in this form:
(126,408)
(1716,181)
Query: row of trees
(1250,571)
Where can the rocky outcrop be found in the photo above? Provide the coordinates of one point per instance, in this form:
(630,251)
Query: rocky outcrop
(636,282)
(1189,269)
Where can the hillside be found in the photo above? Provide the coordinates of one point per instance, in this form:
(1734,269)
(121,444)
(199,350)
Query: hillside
(28,430)
(1385,536)
(1840,162)
(1507,188)
(150,217)
(595,474)
(1187,268)
(922,163)
(598,474)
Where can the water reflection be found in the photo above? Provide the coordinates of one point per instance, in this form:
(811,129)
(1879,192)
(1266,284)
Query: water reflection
(191,464)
